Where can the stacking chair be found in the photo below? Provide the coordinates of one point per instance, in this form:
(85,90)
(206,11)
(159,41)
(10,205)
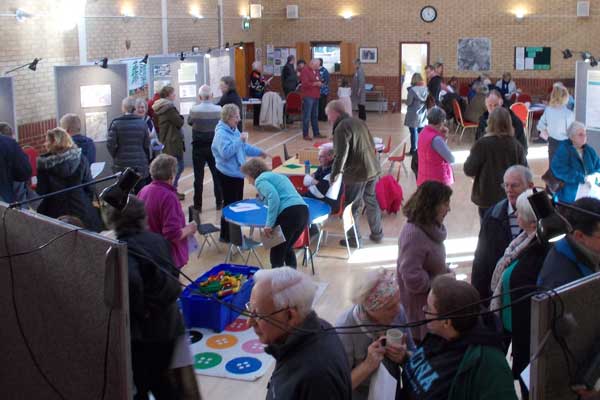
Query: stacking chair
(293,104)
(303,242)
(205,230)
(460,122)
(241,244)
(276,162)
(347,224)
(524,98)
(521,111)
(399,159)
(286,154)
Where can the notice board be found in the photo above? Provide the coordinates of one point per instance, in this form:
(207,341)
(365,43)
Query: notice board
(532,58)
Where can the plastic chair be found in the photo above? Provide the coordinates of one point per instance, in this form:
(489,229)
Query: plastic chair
(321,227)
(241,244)
(298,182)
(347,224)
(388,146)
(460,122)
(463,91)
(276,162)
(205,230)
(521,111)
(303,242)
(400,159)
(32,155)
(293,104)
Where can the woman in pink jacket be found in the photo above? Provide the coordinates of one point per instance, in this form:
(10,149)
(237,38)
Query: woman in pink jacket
(434,156)
(165,215)
(421,251)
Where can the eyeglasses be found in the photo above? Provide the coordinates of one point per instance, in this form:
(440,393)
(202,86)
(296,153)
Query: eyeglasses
(254,315)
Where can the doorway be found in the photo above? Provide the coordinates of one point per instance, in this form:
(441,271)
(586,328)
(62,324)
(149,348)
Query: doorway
(414,57)
(244,57)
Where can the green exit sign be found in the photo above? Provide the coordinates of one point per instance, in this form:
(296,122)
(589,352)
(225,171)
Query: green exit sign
(246,24)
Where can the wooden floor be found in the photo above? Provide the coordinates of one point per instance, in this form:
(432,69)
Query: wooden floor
(332,265)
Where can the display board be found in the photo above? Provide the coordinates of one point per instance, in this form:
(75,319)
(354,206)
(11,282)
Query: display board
(7,103)
(276,59)
(549,376)
(533,58)
(137,77)
(185,77)
(587,101)
(69,302)
(219,67)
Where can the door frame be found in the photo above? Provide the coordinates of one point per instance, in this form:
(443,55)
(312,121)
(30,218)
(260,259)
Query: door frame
(400,64)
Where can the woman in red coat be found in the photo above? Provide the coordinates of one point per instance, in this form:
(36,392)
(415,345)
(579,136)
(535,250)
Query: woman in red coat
(435,158)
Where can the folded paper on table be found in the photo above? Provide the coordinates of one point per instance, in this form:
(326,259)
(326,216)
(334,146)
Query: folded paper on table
(244,207)
(276,238)
(97,168)
(334,189)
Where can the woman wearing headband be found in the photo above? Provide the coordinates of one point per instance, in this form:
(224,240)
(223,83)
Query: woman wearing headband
(376,302)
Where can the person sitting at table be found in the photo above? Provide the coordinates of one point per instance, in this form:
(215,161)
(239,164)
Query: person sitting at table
(376,302)
(318,184)
(507,86)
(286,209)
(230,150)
(573,161)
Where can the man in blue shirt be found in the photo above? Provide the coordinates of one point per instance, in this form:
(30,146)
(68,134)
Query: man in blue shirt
(72,124)
(324,76)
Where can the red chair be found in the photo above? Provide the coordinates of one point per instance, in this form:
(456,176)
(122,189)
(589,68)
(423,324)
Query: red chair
(513,98)
(388,145)
(32,154)
(293,104)
(298,182)
(521,111)
(463,91)
(460,122)
(399,159)
(276,162)
(524,98)
(303,242)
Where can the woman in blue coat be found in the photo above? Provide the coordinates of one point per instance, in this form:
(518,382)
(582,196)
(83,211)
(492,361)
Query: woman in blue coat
(573,161)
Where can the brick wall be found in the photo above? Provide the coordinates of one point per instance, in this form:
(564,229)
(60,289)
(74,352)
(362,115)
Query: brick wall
(34,134)
(186,32)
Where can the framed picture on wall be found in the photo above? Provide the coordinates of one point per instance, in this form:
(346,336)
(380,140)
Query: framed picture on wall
(368,55)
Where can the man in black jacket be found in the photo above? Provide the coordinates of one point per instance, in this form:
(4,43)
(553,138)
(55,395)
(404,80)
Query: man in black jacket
(289,77)
(498,228)
(310,364)
(14,164)
(492,101)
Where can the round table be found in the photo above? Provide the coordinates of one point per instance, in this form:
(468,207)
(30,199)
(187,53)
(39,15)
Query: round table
(318,212)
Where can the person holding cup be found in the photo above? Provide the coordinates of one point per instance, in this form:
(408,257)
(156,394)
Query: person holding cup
(376,302)
(230,149)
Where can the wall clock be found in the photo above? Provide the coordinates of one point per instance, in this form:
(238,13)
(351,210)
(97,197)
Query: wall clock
(428,14)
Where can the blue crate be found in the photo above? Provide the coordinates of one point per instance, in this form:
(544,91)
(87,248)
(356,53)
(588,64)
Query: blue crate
(201,312)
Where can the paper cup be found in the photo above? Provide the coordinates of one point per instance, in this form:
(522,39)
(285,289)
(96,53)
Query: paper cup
(394,337)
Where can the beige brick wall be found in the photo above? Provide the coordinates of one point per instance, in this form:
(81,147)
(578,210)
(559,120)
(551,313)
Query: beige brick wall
(386,23)
(185,32)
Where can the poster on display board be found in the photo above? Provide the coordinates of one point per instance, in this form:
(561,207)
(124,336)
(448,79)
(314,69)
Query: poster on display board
(96,126)
(95,96)
(161,70)
(474,54)
(158,85)
(592,104)
(187,91)
(187,72)
(137,76)
(218,67)
(276,59)
(185,107)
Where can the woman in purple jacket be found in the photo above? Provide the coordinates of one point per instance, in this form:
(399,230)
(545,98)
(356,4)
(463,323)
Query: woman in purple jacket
(165,215)
(421,252)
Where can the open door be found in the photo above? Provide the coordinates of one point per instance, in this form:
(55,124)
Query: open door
(414,57)
(244,57)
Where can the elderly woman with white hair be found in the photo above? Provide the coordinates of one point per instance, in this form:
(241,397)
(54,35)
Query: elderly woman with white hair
(230,150)
(376,302)
(258,84)
(573,162)
(141,109)
(310,362)
(129,143)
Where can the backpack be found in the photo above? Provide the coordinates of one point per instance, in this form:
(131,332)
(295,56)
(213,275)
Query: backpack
(389,194)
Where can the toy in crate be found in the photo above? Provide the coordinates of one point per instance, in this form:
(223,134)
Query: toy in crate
(229,283)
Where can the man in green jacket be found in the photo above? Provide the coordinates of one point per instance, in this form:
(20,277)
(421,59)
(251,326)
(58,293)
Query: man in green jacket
(356,161)
(460,359)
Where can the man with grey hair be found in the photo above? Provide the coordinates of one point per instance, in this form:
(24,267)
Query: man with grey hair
(356,162)
(318,184)
(72,124)
(498,228)
(128,143)
(203,118)
(310,363)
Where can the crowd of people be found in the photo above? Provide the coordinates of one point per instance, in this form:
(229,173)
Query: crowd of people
(438,353)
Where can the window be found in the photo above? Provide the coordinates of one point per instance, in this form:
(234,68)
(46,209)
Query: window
(330,53)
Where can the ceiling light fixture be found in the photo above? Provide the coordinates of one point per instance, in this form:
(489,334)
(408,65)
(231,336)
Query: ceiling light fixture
(103,63)
(32,66)
(144,60)
(181,56)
